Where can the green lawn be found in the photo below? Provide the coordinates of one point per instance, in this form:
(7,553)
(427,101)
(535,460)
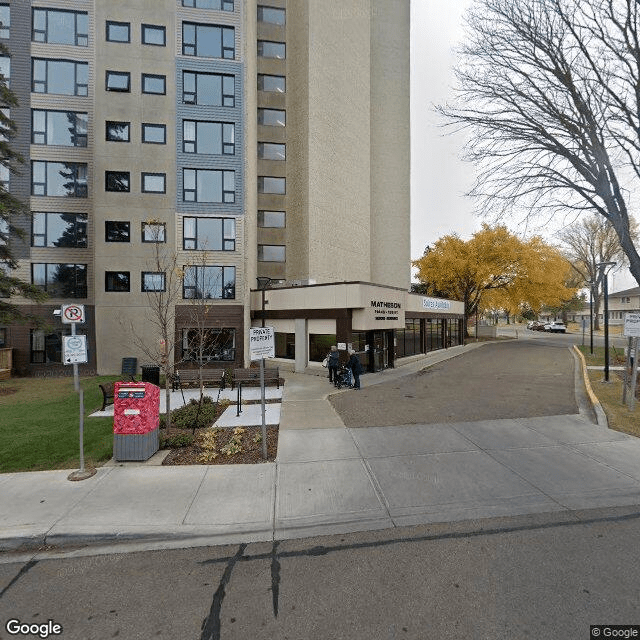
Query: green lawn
(616,355)
(39,424)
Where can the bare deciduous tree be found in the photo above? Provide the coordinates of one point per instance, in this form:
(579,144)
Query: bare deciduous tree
(163,289)
(590,241)
(549,93)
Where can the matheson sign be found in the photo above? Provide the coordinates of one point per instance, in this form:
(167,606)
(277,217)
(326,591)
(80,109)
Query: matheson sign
(386,310)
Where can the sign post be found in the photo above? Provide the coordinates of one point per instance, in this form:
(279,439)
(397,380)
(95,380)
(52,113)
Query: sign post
(74,352)
(632,331)
(262,345)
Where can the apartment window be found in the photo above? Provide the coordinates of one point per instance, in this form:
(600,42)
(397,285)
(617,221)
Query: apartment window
(3,338)
(118,81)
(64,77)
(272,117)
(55,26)
(118,31)
(218,5)
(117,181)
(154,34)
(154,84)
(5,20)
(46,348)
(209,282)
(154,182)
(58,230)
(5,69)
(275,84)
(60,128)
(117,131)
(269,49)
(60,280)
(271,151)
(209,234)
(117,231)
(208,41)
(207,344)
(68,179)
(625,300)
(205,185)
(216,138)
(271,253)
(269,184)
(208,89)
(272,15)
(4,177)
(154,133)
(271,219)
(153,281)
(116,281)
(153,232)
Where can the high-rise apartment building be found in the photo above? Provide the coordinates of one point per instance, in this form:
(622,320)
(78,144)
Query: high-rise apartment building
(227,145)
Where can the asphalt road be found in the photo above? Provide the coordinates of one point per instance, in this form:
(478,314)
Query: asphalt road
(511,379)
(528,577)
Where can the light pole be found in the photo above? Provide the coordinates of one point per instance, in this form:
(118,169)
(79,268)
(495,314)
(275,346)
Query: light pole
(601,274)
(263,285)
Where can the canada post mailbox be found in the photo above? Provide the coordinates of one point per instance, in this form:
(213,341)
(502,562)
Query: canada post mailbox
(136,419)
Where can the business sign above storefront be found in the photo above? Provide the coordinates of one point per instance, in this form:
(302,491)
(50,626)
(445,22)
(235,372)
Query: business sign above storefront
(436,304)
(382,313)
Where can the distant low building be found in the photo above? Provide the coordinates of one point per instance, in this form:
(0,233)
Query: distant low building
(620,302)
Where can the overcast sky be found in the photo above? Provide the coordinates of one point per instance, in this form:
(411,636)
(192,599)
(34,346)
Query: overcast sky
(439,178)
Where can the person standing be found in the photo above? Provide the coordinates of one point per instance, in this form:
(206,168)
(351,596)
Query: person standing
(356,368)
(334,358)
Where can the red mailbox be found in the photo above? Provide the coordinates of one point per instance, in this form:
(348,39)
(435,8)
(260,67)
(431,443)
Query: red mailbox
(136,418)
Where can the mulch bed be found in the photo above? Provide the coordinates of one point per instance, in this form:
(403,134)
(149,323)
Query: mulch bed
(251,451)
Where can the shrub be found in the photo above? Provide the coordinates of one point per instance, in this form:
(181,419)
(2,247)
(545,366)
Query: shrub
(176,441)
(194,415)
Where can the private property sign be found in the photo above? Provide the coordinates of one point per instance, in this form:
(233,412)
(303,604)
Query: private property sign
(632,325)
(262,343)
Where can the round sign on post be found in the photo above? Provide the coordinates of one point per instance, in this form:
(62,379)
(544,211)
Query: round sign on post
(72,313)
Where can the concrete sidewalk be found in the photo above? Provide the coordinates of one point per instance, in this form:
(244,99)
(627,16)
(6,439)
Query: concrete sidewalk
(330,479)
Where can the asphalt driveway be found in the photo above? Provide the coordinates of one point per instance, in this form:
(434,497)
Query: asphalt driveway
(515,379)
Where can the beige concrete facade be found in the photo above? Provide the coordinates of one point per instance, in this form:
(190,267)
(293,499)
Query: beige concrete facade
(343,217)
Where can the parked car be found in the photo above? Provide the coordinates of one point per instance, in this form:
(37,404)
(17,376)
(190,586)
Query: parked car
(534,325)
(555,327)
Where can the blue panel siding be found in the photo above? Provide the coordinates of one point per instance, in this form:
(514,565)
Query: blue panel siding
(221,114)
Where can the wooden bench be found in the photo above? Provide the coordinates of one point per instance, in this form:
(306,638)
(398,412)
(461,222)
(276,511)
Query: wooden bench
(244,376)
(187,377)
(108,391)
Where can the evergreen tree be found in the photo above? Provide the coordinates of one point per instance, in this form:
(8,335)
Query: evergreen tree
(11,210)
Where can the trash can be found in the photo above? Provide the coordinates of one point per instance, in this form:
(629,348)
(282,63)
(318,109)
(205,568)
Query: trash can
(136,420)
(151,373)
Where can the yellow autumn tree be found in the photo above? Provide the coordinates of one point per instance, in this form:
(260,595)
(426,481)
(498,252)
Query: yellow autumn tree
(495,268)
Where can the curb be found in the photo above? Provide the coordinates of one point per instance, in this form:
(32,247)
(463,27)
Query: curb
(601,416)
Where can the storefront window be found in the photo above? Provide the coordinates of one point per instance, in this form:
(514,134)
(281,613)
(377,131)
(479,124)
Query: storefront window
(320,345)
(408,339)
(285,345)
(433,334)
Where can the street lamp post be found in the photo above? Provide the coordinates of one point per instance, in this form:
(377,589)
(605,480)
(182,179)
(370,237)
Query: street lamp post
(263,285)
(602,266)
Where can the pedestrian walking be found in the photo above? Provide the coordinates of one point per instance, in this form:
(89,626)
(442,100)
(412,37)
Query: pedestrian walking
(356,368)
(333,359)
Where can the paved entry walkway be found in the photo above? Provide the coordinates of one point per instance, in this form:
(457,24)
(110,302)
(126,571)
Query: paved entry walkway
(329,478)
